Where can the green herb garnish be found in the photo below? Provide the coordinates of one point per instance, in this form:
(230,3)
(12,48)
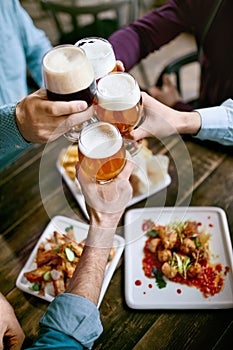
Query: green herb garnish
(161,283)
(35,287)
(152,233)
(69,228)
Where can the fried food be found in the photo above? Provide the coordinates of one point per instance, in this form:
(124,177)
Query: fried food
(56,261)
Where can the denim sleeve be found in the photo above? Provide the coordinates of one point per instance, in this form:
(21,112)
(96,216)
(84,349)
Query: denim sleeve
(217,123)
(70,322)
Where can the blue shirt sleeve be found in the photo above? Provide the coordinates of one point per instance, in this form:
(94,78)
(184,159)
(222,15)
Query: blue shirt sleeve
(217,123)
(70,322)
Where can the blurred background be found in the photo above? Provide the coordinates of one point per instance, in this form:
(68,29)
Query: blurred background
(59,27)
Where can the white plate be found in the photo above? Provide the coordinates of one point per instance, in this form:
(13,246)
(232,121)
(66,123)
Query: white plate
(145,297)
(59,223)
(76,191)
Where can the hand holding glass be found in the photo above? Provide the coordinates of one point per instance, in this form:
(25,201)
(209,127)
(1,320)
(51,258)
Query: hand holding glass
(119,103)
(68,75)
(101,151)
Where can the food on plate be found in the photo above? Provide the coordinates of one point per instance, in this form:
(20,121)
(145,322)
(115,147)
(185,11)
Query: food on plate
(68,159)
(149,169)
(55,261)
(180,252)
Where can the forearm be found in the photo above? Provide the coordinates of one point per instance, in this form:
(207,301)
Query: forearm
(88,276)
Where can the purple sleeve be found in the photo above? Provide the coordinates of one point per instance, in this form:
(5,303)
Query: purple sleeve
(150,32)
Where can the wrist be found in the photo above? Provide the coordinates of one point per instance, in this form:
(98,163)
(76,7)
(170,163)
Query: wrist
(100,236)
(188,122)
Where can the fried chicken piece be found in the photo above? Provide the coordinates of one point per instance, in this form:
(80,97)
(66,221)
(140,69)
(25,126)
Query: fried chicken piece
(37,274)
(194,270)
(164,255)
(188,246)
(169,238)
(168,270)
(47,257)
(190,229)
(153,245)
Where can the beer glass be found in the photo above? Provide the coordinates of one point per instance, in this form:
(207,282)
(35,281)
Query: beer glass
(101,151)
(68,75)
(119,102)
(100,53)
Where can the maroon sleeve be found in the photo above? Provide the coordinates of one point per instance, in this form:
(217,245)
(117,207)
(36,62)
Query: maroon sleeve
(150,32)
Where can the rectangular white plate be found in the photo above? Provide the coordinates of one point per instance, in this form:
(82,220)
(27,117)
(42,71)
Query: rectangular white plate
(60,223)
(76,191)
(145,297)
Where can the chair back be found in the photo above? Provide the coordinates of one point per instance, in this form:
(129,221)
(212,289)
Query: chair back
(101,19)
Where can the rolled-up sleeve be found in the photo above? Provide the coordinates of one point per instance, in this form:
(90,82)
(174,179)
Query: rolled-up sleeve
(70,322)
(217,123)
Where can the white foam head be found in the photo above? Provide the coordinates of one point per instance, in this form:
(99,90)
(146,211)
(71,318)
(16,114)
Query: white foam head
(99,140)
(118,91)
(66,69)
(100,53)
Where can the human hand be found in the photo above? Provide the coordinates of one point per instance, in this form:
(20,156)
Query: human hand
(106,202)
(40,120)
(120,66)
(167,94)
(11,334)
(161,121)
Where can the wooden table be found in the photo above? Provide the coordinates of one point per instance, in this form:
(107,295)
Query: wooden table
(32,192)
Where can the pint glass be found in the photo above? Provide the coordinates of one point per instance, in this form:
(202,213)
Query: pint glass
(100,53)
(68,75)
(119,103)
(101,151)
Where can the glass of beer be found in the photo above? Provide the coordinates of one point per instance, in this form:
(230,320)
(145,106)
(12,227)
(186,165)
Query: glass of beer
(119,102)
(100,53)
(68,75)
(101,151)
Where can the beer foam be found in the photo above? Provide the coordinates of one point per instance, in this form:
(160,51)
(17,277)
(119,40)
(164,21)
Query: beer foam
(100,53)
(118,92)
(99,140)
(66,70)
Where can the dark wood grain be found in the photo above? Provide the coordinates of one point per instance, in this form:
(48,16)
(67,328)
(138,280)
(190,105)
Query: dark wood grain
(32,192)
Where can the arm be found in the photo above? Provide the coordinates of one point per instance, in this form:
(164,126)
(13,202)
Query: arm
(215,123)
(150,32)
(72,319)
(11,334)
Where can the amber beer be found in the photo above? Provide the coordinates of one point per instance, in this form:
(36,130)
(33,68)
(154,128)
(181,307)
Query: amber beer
(68,75)
(100,53)
(119,101)
(101,151)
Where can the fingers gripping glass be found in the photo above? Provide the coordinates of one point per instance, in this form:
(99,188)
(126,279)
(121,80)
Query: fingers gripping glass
(119,103)
(101,152)
(68,75)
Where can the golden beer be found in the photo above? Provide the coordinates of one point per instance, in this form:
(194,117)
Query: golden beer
(119,101)
(101,151)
